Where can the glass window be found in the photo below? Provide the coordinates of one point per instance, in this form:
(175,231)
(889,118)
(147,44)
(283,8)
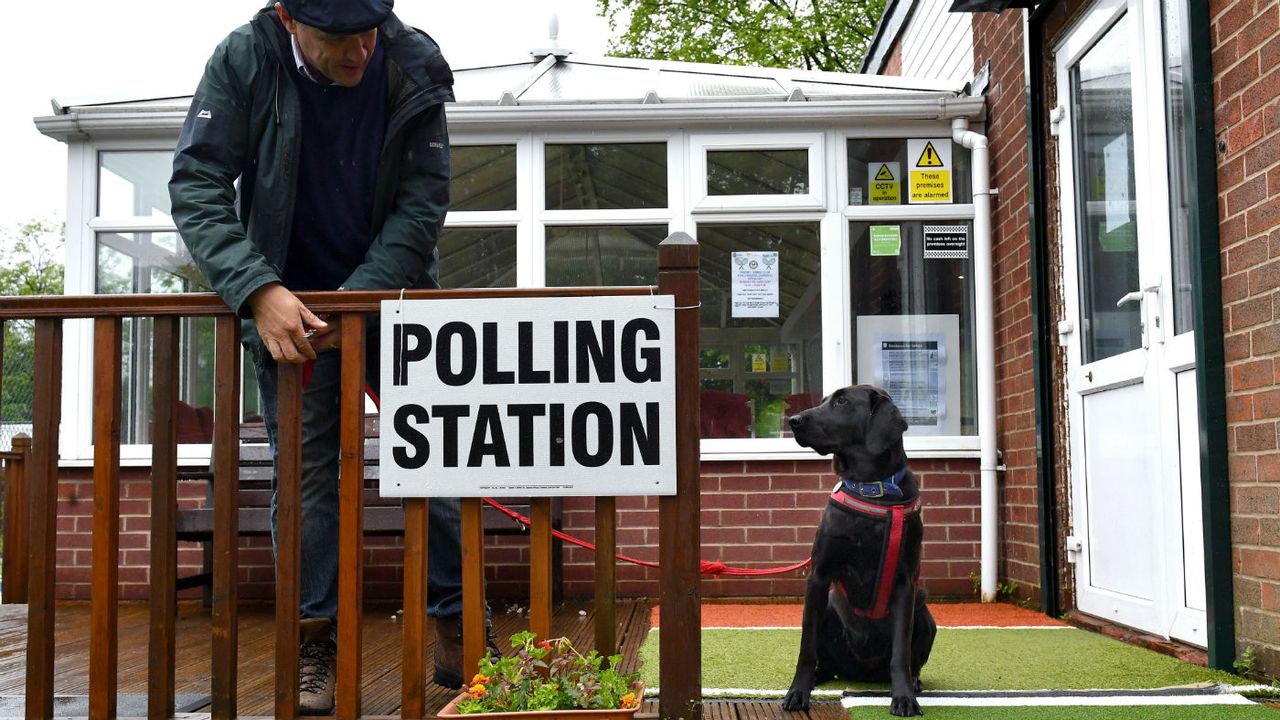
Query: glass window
(911,295)
(1180,191)
(483,177)
(134,184)
(592,177)
(603,255)
(877,172)
(478,257)
(1106,184)
(158,263)
(758,172)
(757,370)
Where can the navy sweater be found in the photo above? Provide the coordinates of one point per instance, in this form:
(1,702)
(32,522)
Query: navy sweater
(342,135)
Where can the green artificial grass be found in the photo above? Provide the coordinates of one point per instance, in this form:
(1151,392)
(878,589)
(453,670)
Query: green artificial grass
(987,659)
(1119,712)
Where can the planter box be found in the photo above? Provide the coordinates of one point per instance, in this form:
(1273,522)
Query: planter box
(451,711)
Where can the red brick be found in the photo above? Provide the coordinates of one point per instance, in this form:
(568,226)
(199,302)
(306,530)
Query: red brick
(1265,277)
(1259,563)
(1263,218)
(1256,437)
(1251,312)
(1239,408)
(1235,17)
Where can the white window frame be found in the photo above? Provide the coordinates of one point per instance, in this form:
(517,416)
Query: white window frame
(700,201)
(942,446)
(83,226)
(826,203)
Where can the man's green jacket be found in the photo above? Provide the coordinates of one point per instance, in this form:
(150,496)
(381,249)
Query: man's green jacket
(244,124)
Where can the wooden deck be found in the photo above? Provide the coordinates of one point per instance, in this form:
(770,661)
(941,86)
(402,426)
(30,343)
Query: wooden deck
(256,659)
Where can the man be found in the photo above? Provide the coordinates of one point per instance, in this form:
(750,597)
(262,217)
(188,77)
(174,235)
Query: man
(329,114)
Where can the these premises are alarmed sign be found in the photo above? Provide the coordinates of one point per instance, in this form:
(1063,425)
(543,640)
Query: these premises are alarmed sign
(528,396)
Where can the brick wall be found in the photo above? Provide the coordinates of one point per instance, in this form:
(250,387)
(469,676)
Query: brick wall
(1246,65)
(998,39)
(754,515)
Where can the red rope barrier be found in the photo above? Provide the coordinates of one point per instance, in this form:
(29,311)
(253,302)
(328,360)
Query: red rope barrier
(708,567)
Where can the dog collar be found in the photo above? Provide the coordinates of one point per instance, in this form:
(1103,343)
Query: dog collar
(887,487)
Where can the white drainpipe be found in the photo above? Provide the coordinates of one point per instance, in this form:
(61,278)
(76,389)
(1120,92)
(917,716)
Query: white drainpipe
(986,346)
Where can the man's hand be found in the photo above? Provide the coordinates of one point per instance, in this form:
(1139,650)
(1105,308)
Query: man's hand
(283,322)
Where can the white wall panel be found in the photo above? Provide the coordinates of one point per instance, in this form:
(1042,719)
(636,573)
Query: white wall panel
(937,44)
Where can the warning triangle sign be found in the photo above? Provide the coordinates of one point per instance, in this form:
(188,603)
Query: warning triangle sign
(884,173)
(929,158)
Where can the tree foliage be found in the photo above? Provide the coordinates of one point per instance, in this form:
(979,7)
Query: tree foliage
(810,34)
(30,264)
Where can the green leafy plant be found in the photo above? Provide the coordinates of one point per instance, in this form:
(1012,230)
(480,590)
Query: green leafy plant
(550,675)
(1244,664)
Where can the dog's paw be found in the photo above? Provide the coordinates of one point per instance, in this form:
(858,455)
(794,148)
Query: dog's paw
(796,699)
(904,706)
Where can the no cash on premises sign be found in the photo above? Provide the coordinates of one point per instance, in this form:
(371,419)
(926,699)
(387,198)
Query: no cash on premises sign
(528,396)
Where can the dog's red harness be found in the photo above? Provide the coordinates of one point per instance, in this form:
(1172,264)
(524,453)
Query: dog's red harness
(895,516)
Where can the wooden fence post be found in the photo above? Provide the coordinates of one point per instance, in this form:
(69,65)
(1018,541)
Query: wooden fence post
(289,536)
(46,414)
(226,516)
(16,536)
(679,529)
(162,642)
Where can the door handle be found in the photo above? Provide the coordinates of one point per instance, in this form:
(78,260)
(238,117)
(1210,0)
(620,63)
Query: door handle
(1135,296)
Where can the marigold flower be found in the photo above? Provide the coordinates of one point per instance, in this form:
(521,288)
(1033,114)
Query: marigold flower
(628,701)
(478,691)
(479,679)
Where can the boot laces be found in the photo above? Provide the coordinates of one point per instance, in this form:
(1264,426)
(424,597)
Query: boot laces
(315,667)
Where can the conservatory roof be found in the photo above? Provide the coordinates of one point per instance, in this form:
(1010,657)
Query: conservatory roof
(552,80)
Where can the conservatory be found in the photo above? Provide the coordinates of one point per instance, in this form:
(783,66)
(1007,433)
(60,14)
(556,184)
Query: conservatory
(842,225)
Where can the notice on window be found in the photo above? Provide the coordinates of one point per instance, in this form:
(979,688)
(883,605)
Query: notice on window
(911,372)
(1115,163)
(930,170)
(886,241)
(946,242)
(755,284)
(885,181)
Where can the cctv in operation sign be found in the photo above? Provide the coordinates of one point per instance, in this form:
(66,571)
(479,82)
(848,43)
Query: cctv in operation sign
(528,396)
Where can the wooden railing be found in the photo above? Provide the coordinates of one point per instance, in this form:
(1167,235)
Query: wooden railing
(679,533)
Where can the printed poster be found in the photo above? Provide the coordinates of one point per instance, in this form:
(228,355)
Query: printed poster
(754,279)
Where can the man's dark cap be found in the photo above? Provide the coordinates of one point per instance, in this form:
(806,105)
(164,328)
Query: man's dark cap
(339,17)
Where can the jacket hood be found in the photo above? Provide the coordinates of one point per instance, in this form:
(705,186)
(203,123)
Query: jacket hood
(414,51)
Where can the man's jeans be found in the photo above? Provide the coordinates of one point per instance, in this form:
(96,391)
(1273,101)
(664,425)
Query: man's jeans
(320,414)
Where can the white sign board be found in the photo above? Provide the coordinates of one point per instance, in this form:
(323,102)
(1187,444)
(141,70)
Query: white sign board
(529,396)
(755,284)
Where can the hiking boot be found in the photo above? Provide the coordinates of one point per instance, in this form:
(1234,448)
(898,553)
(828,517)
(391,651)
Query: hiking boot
(447,662)
(317,659)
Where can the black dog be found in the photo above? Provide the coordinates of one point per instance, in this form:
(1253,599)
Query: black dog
(864,617)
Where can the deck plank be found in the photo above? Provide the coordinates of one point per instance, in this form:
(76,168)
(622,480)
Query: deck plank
(381,655)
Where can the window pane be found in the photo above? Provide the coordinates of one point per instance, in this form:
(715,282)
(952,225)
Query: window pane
(1180,192)
(589,177)
(757,370)
(867,161)
(483,177)
(757,172)
(478,257)
(158,263)
(912,309)
(134,184)
(1106,184)
(586,256)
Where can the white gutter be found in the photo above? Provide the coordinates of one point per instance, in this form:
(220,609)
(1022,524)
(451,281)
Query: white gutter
(984,320)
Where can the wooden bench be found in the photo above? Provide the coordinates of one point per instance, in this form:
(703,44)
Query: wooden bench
(383,516)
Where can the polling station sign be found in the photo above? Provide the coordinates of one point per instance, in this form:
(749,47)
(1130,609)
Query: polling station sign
(528,396)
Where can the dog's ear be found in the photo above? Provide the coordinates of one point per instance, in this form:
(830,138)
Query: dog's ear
(886,425)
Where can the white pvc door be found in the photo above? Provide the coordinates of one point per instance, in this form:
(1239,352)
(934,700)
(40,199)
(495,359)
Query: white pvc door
(1135,536)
